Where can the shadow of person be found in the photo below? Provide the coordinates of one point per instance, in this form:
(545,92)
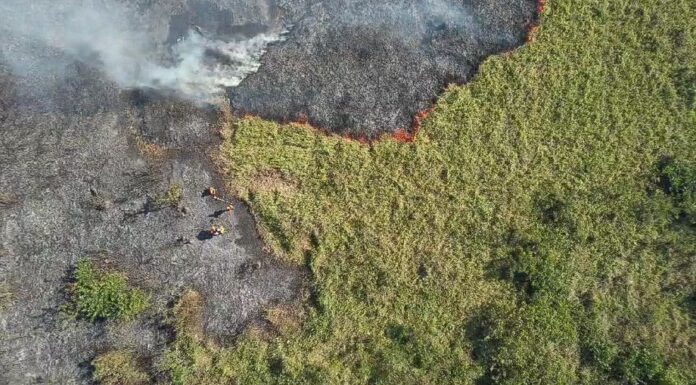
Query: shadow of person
(217,214)
(204,236)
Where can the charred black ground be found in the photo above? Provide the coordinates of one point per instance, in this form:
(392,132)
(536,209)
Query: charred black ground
(79,158)
(75,181)
(365,67)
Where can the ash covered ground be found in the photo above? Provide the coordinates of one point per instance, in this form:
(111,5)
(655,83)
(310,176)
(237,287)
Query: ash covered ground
(364,67)
(81,149)
(79,157)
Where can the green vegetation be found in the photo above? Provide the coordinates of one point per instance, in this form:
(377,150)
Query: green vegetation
(104,295)
(118,367)
(527,236)
(171,197)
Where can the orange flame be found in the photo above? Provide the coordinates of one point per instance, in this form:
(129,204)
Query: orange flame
(534,26)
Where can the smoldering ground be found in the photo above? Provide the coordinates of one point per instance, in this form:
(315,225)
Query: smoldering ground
(351,66)
(112,36)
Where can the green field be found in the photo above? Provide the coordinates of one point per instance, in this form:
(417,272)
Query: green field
(541,228)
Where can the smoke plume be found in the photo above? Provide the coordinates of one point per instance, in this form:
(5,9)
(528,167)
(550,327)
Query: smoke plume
(112,37)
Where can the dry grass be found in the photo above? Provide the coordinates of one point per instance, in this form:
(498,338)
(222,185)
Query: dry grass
(188,314)
(118,367)
(272,182)
(285,318)
(6,296)
(152,151)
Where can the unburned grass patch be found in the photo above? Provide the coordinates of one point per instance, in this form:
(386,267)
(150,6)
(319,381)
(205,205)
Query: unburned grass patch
(152,151)
(192,359)
(6,296)
(97,294)
(7,200)
(188,314)
(285,318)
(271,182)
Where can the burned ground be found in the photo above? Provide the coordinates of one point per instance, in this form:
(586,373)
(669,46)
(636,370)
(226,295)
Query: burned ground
(367,67)
(80,184)
(80,158)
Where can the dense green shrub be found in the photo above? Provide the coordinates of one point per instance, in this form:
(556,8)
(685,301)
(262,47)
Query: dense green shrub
(644,367)
(534,346)
(537,270)
(597,348)
(118,367)
(105,295)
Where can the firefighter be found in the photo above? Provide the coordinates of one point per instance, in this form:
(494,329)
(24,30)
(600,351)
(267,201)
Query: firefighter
(216,230)
(229,209)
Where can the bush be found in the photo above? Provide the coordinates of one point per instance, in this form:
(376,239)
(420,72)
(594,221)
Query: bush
(537,268)
(118,368)
(596,344)
(102,295)
(536,345)
(645,367)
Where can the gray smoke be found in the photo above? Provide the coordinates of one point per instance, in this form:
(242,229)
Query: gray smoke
(112,37)
(408,19)
(418,20)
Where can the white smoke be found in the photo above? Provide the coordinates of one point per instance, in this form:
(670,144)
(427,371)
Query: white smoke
(199,76)
(114,38)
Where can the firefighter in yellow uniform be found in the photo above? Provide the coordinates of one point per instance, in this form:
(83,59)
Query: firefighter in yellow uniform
(216,230)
